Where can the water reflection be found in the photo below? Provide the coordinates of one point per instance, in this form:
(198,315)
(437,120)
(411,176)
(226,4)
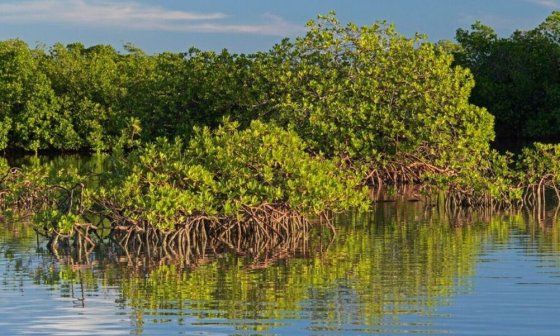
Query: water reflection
(394,270)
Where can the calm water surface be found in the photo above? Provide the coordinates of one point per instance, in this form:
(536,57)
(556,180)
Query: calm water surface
(403,269)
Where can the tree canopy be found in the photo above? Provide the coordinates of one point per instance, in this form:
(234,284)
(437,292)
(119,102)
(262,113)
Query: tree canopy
(517,78)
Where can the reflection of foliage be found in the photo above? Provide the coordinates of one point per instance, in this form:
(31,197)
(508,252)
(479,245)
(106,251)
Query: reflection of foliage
(401,259)
(405,264)
(399,266)
(14,236)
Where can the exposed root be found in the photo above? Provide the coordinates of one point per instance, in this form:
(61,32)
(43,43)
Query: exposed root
(265,233)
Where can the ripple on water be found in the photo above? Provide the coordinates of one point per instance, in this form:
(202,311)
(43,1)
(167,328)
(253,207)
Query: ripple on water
(402,270)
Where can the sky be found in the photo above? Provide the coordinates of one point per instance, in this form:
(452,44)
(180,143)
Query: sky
(245,25)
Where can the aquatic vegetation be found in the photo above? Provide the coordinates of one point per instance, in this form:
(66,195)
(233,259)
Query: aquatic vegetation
(226,184)
(47,195)
(232,185)
(494,183)
(539,168)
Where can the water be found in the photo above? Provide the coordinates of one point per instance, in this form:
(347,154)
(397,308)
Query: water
(403,269)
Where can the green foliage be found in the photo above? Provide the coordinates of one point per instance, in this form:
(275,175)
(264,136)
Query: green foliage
(368,92)
(540,161)
(517,78)
(156,184)
(90,84)
(171,92)
(494,182)
(49,194)
(28,104)
(3,165)
(267,164)
(56,222)
(220,173)
(5,126)
(72,97)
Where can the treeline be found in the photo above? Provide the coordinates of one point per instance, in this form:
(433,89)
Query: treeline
(361,90)
(70,98)
(396,108)
(367,94)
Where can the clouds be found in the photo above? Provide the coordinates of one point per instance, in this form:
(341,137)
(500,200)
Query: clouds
(135,16)
(551,4)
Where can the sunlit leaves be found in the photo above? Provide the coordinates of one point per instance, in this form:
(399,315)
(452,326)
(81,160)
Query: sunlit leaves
(220,172)
(364,91)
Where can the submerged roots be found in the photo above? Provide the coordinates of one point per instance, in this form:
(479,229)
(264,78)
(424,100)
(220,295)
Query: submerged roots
(264,233)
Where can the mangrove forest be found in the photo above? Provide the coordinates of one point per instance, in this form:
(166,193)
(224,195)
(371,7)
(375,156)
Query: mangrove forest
(219,147)
(352,175)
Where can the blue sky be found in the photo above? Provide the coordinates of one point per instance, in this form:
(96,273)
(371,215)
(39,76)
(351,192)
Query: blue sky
(245,25)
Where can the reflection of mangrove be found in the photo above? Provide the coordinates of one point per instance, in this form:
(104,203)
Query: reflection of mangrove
(399,260)
(402,258)
(258,252)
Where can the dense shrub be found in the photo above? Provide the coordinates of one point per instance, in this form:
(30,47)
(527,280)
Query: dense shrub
(89,83)
(225,173)
(364,92)
(74,98)
(539,170)
(252,183)
(173,92)
(45,192)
